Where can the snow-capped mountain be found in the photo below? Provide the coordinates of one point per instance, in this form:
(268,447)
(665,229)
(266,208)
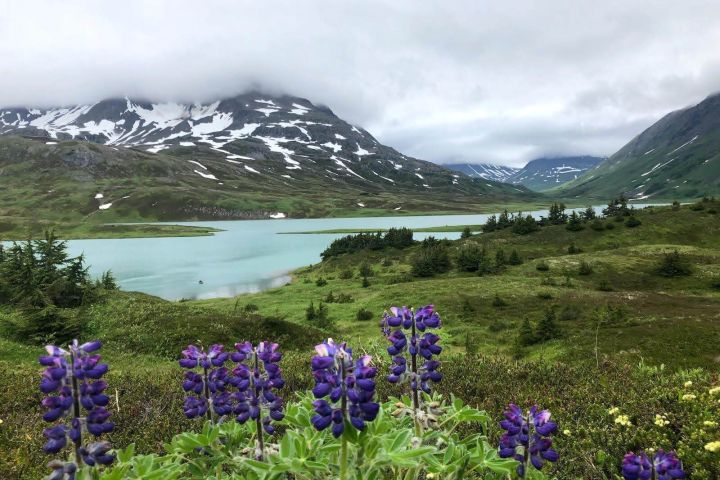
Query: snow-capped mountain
(487,171)
(252,153)
(546,173)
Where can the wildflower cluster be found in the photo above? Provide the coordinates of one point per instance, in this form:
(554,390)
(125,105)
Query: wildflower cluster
(620,419)
(344,390)
(662,466)
(246,391)
(404,349)
(527,438)
(206,390)
(72,382)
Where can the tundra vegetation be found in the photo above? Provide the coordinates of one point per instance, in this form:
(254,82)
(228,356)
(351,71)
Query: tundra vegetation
(625,354)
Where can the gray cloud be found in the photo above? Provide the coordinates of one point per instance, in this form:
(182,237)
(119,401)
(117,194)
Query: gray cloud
(445,81)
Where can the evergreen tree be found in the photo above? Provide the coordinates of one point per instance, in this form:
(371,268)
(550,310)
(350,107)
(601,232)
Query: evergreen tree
(491,224)
(500,260)
(514,258)
(522,225)
(557,214)
(466,233)
(310,312)
(588,214)
(547,327)
(504,220)
(526,335)
(432,258)
(574,223)
(469,257)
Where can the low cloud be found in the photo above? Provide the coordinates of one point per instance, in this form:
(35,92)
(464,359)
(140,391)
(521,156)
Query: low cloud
(443,81)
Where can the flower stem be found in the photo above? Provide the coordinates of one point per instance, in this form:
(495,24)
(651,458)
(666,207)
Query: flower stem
(343,406)
(258,420)
(526,450)
(415,380)
(76,409)
(206,392)
(343,459)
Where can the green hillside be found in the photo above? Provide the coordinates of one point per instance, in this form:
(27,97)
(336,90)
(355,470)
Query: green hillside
(676,158)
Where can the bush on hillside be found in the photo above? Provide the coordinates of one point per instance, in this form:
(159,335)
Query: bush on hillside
(632,222)
(585,268)
(469,257)
(673,264)
(514,258)
(432,258)
(363,315)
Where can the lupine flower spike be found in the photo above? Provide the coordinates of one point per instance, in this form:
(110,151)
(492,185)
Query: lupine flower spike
(255,387)
(206,389)
(664,466)
(527,438)
(406,350)
(344,392)
(75,403)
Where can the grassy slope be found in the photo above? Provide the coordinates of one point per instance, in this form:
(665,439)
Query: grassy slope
(57,184)
(12,230)
(658,312)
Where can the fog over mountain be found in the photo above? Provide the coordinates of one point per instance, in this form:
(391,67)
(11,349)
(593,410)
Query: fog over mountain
(451,83)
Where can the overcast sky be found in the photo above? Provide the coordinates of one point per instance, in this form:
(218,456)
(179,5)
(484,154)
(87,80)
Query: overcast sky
(446,81)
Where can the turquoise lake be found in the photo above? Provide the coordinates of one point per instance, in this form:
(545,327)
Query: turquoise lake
(248,256)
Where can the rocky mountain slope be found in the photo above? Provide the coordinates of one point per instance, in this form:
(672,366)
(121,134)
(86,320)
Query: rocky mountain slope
(676,158)
(250,156)
(487,171)
(549,172)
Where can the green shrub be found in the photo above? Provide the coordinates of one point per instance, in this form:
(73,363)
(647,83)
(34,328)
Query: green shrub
(542,266)
(597,225)
(346,274)
(610,226)
(365,270)
(632,222)
(364,315)
(321,282)
(498,302)
(344,298)
(514,258)
(585,268)
(673,264)
(432,258)
(575,223)
(365,282)
(572,249)
(469,257)
(547,328)
(545,295)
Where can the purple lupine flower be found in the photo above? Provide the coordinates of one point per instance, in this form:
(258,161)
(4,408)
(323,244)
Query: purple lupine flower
(664,466)
(206,388)
(256,385)
(75,393)
(97,453)
(409,350)
(256,382)
(527,437)
(343,390)
(62,470)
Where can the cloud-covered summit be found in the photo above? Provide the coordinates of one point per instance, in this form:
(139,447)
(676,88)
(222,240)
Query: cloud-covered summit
(464,81)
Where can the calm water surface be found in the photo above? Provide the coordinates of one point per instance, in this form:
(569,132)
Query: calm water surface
(248,256)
